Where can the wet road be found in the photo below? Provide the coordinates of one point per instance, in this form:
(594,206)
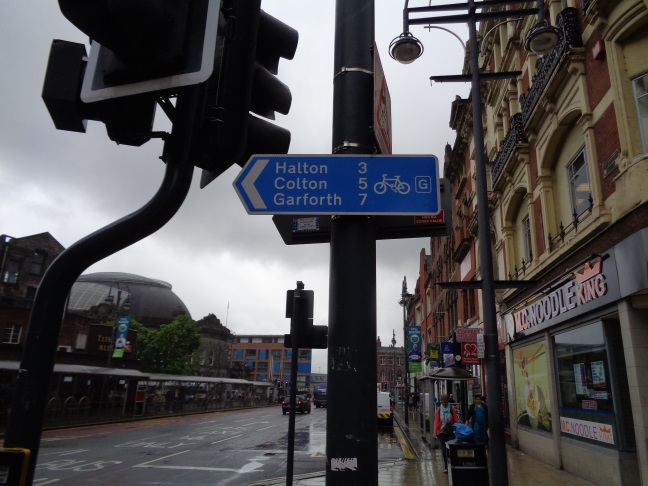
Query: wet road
(229,448)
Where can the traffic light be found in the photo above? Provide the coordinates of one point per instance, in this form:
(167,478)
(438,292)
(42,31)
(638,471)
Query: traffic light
(287,383)
(128,121)
(141,46)
(309,336)
(245,81)
(139,49)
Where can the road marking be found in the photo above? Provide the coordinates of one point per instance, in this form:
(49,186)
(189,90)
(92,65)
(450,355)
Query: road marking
(403,443)
(160,458)
(63,453)
(248,468)
(228,438)
(243,470)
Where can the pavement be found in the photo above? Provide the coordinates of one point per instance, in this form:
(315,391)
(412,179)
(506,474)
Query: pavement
(424,466)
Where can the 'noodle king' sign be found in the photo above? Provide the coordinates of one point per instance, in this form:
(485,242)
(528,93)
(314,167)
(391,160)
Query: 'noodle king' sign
(583,287)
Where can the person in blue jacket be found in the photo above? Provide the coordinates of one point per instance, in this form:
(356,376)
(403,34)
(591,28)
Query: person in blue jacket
(478,419)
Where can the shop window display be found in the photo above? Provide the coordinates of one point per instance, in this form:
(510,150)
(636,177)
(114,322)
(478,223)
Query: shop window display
(532,387)
(584,383)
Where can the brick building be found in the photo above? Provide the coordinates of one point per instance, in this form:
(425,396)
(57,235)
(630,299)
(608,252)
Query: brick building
(389,366)
(86,333)
(265,359)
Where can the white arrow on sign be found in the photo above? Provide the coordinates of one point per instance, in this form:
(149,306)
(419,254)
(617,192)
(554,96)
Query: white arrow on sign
(250,179)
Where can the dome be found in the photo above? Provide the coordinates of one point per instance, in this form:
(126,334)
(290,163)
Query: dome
(152,302)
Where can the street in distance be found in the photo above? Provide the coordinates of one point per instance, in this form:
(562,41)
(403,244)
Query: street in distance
(340,184)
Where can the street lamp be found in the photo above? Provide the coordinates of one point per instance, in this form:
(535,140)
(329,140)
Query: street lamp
(404,302)
(540,40)
(119,305)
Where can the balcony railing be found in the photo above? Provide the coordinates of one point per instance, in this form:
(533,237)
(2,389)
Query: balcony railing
(573,226)
(568,25)
(519,273)
(513,137)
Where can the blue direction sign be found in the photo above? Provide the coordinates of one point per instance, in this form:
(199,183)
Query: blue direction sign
(340,184)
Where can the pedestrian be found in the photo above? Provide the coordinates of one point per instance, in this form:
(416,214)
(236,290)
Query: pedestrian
(444,418)
(478,419)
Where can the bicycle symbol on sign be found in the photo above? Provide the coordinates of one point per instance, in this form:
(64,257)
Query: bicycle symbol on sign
(394,183)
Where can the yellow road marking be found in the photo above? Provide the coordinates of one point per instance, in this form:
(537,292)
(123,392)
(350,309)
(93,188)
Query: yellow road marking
(403,444)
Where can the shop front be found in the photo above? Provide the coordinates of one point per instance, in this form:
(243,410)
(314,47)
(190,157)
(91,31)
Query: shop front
(575,354)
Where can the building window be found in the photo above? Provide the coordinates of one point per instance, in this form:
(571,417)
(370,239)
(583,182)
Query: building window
(11,335)
(590,370)
(30,295)
(11,273)
(579,184)
(640,86)
(250,354)
(81,340)
(37,263)
(526,239)
(276,354)
(382,360)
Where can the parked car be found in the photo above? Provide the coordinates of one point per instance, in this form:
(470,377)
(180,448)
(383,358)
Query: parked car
(302,404)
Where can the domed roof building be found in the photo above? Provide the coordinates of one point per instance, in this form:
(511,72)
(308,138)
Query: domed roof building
(149,301)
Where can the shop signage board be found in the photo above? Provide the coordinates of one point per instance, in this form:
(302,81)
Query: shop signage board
(382,107)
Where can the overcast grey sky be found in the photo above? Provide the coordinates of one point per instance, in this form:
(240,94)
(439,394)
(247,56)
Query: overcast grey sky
(212,252)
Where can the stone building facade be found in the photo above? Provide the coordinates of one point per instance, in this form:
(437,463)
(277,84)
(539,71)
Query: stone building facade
(567,149)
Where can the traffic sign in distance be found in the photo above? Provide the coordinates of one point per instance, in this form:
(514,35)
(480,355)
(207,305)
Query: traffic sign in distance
(340,184)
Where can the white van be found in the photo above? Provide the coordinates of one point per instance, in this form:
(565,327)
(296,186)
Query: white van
(385,410)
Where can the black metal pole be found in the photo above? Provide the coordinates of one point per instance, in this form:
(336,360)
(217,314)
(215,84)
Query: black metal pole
(292,394)
(498,467)
(405,356)
(32,385)
(352,432)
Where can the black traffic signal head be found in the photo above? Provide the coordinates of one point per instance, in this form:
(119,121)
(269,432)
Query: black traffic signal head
(244,82)
(129,121)
(313,337)
(300,311)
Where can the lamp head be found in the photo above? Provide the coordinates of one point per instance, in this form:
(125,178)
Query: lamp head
(405,48)
(542,39)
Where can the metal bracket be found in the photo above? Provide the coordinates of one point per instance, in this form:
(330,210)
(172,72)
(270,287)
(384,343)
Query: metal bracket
(345,70)
(347,145)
